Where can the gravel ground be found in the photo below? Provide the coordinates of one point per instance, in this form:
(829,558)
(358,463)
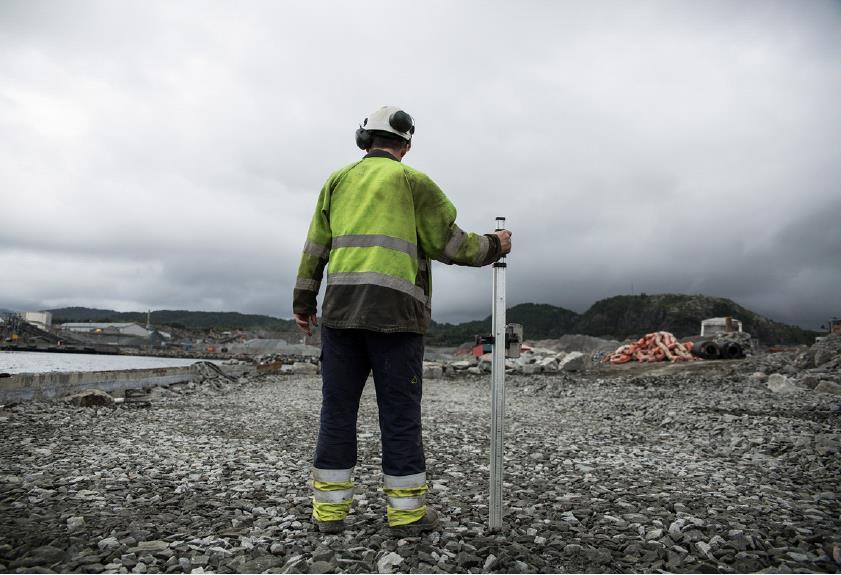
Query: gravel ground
(700,470)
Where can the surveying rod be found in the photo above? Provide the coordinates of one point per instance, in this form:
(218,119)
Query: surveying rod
(497,390)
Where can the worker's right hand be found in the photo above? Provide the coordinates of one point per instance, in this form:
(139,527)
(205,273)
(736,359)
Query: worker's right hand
(304,320)
(504,241)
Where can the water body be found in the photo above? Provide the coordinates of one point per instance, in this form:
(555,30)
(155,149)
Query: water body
(39,362)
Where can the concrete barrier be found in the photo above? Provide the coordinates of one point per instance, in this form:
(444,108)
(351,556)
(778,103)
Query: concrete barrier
(31,386)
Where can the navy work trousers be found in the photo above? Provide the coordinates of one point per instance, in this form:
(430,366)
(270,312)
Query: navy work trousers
(347,357)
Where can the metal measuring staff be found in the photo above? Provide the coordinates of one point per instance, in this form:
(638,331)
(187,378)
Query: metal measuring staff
(506,342)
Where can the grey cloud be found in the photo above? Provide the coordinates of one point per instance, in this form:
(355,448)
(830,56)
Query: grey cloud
(169,154)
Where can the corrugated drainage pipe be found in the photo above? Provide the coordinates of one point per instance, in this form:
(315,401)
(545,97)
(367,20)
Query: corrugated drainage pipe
(708,350)
(731,350)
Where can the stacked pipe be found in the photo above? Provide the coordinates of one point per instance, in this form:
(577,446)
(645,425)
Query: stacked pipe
(719,350)
(657,346)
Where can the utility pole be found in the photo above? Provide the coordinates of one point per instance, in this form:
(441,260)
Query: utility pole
(497,390)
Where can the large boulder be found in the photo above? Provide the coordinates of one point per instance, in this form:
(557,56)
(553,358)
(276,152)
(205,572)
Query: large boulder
(90,398)
(432,370)
(389,562)
(573,361)
(827,349)
(805,360)
(809,381)
(829,387)
(462,364)
(739,337)
(779,383)
(304,368)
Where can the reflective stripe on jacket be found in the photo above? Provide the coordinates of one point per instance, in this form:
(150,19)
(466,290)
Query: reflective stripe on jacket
(378,223)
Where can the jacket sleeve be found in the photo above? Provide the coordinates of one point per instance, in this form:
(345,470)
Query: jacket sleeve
(314,258)
(440,237)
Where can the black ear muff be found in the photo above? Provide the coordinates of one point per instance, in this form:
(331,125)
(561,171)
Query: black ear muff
(402,122)
(364,139)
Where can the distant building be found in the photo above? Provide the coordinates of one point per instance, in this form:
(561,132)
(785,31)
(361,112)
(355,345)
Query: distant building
(716,325)
(40,319)
(835,326)
(96,328)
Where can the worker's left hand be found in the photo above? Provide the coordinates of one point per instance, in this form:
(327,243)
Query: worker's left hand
(304,320)
(504,241)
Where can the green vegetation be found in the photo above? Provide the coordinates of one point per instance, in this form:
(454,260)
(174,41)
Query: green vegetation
(627,316)
(633,316)
(197,320)
(620,317)
(543,321)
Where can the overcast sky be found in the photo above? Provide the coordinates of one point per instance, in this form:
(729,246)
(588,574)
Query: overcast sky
(169,154)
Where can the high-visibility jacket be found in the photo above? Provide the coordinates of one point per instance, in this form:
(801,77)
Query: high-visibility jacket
(378,223)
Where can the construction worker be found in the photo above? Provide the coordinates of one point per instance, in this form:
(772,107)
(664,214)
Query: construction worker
(378,223)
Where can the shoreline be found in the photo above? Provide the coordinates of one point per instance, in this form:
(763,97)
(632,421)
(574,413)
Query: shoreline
(55,385)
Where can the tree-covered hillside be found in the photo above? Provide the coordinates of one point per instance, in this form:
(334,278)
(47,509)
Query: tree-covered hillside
(544,322)
(617,317)
(635,315)
(176,318)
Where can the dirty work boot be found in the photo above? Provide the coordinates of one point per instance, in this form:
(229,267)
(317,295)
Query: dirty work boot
(429,522)
(329,527)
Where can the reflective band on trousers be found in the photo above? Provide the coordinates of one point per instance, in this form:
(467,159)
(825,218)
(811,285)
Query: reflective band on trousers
(316,250)
(375,278)
(332,496)
(406,503)
(331,475)
(404,481)
(375,240)
(308,284)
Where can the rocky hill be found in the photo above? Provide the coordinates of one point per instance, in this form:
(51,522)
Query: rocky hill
(631,316)
(624,317)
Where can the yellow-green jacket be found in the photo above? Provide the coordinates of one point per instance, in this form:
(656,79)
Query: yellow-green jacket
(379,222)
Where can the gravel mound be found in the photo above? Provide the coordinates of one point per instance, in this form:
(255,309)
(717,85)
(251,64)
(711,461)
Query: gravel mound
(693,472)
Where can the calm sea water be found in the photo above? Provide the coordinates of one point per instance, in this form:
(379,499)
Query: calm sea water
(37,362)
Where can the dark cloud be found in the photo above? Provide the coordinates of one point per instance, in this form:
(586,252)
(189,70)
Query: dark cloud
(169,154)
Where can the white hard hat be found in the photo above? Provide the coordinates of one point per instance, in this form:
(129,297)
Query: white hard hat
(390,119)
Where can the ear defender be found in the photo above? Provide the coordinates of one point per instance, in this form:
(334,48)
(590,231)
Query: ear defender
(402,122)
(364,139)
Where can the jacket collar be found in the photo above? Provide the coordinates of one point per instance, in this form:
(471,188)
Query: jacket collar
(381,154)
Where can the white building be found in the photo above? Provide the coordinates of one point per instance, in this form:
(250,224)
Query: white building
(107,328)
(40,319)
(716,325)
